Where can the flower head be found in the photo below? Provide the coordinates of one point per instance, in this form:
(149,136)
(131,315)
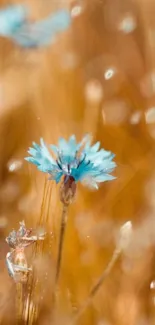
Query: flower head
(12,18)
(42,33)
(16,25)
(75,161)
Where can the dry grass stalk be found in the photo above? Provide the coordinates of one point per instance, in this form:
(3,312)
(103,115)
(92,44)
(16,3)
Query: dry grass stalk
(35,283)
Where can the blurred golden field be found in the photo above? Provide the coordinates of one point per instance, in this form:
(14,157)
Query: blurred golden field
(99,78)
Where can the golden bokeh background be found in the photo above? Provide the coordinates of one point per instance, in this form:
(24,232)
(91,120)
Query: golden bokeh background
(98,77)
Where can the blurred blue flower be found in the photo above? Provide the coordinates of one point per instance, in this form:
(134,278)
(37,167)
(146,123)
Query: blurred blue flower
(11,19)
(79,161)
(14,24)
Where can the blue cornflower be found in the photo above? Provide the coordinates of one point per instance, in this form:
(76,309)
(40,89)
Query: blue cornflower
(15,24)
(11,18)
(75,161)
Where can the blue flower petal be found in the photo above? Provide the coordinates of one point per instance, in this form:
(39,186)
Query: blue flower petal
(90,183)
(54,148)
(95,147)
(105,177)
(56,176)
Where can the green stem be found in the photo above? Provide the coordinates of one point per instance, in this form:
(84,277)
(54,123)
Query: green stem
(61,241)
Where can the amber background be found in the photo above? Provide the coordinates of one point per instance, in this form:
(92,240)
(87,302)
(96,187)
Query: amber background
(62,90)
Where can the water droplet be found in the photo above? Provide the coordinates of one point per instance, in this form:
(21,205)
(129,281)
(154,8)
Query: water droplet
(152,285)
(3,222)
(150,115)
(94,91)
(14,165)
(109,73)
(124,236)
(135,117)
(76,11)
(127,24)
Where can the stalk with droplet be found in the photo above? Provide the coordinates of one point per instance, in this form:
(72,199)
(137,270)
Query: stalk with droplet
(122,244)
(97,286)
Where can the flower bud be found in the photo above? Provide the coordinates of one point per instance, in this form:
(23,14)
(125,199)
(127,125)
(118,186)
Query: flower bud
(67,190)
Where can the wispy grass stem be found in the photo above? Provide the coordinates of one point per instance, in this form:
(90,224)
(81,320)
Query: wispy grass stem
(61,241)
(97,286)
(19,303)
